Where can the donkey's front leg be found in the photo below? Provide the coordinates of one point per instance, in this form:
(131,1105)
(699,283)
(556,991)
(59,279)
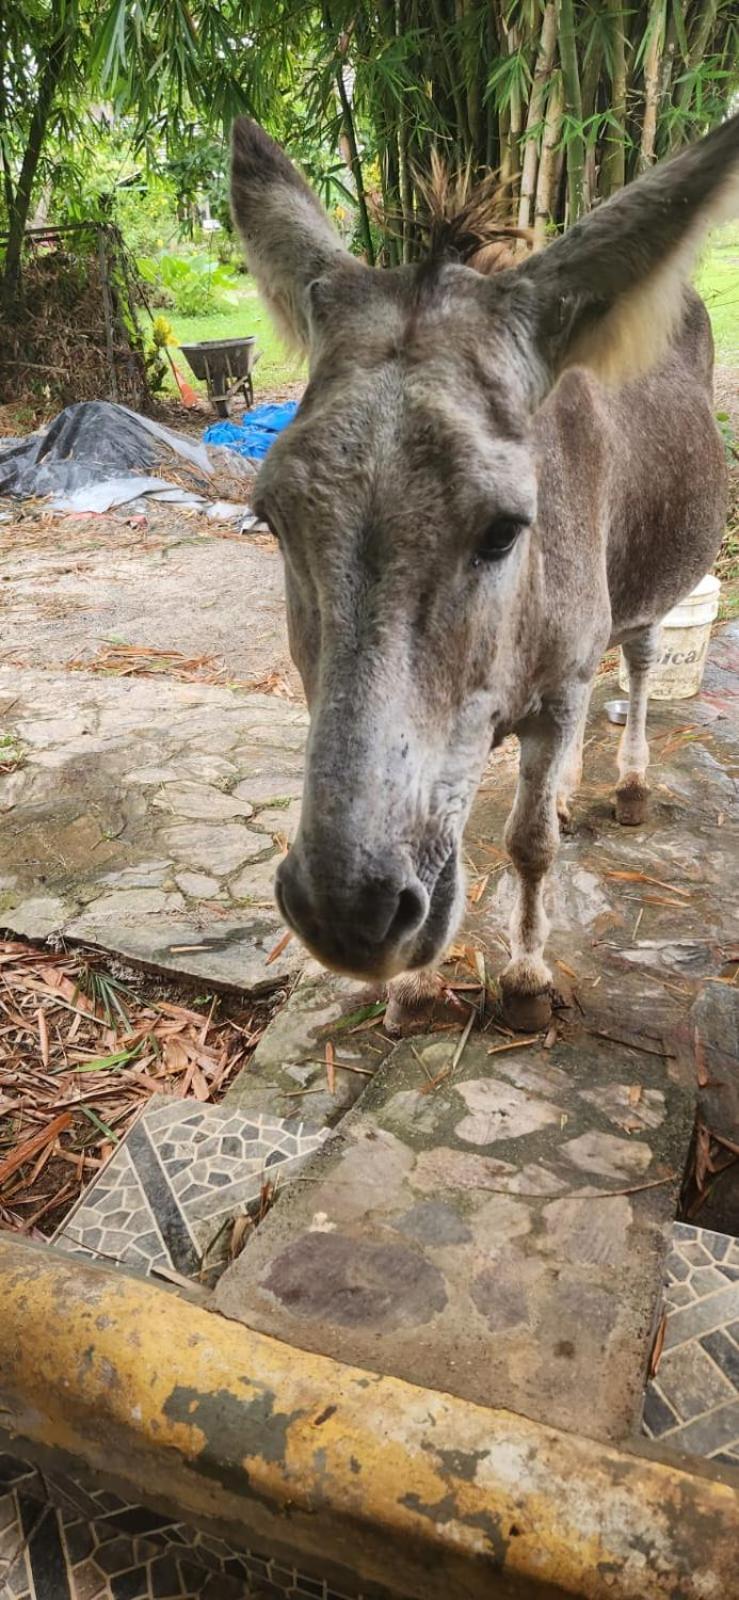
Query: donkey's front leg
(410,998)
(531,837)
(414,998)
(633,752)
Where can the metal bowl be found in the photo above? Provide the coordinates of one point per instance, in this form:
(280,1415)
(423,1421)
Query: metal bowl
(617,710)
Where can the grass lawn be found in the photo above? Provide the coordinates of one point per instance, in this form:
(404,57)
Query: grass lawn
(717,280)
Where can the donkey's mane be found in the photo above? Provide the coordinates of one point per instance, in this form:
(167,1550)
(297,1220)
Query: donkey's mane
(470,222)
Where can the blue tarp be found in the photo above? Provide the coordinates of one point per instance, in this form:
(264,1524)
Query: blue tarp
(258,431)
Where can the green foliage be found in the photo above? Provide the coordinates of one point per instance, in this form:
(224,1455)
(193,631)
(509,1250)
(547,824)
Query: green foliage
(195,286)
(120,110)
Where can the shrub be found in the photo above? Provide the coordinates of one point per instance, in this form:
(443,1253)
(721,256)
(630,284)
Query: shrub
(193,286)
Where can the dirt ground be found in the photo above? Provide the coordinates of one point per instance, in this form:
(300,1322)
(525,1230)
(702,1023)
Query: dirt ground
(167,579)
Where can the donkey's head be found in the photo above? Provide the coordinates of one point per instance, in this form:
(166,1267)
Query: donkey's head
(404,496)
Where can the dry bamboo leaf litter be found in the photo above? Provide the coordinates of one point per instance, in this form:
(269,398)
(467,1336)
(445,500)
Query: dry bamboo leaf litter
(80,1052)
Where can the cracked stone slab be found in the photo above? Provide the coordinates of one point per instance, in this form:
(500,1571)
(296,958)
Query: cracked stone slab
(287,1074)
(493,1236)
(148,817)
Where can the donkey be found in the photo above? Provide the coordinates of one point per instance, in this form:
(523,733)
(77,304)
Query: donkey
(489,481)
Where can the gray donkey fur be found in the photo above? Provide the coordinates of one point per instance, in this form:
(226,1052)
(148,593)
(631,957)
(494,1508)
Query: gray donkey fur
(488,482)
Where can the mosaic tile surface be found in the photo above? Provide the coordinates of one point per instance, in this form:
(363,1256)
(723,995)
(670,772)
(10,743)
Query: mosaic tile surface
(59,1541)
(693,1402)
(184,1170)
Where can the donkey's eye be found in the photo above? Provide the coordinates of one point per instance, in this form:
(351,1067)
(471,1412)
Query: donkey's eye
(499,537)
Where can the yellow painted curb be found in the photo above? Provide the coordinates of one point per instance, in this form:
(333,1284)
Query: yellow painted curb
(296,1454)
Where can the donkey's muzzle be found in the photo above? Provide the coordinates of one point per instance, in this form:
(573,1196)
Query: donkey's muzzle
(366,927)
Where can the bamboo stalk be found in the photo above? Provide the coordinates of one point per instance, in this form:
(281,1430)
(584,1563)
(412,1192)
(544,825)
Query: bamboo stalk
(542,74)
(355,164)
(613,173)
(702,31)
(573,108)
(516,116)
(406,176)
(440,26)
(652,63)
(473,88)
(544,202)
(590,82)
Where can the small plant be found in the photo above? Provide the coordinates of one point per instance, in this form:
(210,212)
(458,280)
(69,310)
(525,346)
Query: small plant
(162,334)
(107,993)
(726,430)
(12,753)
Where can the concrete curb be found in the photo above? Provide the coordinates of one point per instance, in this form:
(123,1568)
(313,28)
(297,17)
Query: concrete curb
(427,1495)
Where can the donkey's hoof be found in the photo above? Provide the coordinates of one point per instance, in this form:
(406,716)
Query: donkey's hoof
(631,804)
(403,1016)
(526,1013)
(401,1021)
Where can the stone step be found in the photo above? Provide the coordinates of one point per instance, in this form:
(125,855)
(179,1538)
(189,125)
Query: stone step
(497,1233)
(287,1073)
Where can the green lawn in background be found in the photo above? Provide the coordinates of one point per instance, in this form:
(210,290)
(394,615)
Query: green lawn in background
(717,280)
(277,365)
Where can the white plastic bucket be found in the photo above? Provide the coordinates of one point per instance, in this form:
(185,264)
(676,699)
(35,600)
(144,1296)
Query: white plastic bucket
(686,632)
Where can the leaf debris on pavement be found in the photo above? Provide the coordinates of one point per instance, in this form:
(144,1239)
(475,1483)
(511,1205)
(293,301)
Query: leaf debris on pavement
(80,1055)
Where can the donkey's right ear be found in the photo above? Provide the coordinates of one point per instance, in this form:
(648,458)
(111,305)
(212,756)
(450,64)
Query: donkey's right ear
(288,237)
(609,294)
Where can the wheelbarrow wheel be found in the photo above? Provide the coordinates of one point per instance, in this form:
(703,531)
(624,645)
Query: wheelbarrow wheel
(221,408)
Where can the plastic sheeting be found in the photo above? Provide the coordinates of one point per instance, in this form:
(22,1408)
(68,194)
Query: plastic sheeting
(95,455)
(256,434)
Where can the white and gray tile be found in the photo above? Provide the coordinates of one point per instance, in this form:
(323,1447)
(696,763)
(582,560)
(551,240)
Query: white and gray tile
(692,1403)
(184,1171)
(62,1541)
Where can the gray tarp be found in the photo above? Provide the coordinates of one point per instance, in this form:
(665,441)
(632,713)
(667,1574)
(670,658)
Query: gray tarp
(96,454)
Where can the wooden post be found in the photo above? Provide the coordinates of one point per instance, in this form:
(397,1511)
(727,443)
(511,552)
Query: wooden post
(107,311)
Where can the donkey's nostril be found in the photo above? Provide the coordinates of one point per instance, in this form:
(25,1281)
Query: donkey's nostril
(411,912)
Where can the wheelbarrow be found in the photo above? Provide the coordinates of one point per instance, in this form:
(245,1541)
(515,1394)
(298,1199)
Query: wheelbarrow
(226,365)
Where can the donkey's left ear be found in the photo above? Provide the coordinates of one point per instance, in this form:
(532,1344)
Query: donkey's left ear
(288,237)
(609,294)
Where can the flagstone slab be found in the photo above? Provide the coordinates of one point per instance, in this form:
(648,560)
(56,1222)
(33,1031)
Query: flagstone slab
(488,1234)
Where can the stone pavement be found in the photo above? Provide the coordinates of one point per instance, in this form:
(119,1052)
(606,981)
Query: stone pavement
(163,577)
(497,1234)
(498,1231)
(147,817)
